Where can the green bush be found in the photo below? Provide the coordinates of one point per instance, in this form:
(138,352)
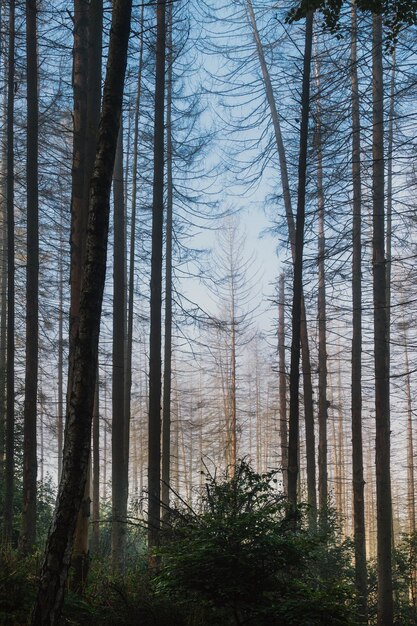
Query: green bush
(245,559)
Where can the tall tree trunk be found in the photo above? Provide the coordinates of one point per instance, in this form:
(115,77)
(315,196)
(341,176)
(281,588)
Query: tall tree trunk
(155,367)
(322,406)
(166,404)
(131,278)
(358,482)
(232,390)
(96,468)
(81,394)
(3,257)
(119,453)
(78,239)
(283,429)
(411,503)
(95,42)
(10,386)
(381,351)
(60,416)
(30,463)
(305,350)
(296,315)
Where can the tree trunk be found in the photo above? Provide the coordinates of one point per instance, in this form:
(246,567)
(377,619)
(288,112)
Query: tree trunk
(296,315)
(358,482)
(411,503)
(322,406)
(381,353)
(79,209)
(155,367)
(60,416)
(30,464)
(96,468)
(166,410)
(81,394)
(10,383)
(306,361)
(131,285)
(119,453)
(283,429)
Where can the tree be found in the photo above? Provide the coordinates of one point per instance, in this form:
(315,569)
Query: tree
(10,356)
(155,366)
(356,382)
(293,429)
(120,451)
(286,191)
(48,605)
(31,379)
(381,346)
(166,405)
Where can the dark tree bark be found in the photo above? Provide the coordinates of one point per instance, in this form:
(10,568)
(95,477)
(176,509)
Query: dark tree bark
(96,468)
(305,350)
(87,99)
(381,347)
(81,394)
(119,453)
(155,366)
(358,482)
(166,410)
(293,431)
(79,208)
(30,464)
(10,386)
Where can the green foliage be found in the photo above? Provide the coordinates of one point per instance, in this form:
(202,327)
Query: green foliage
(17,587)
(396,13)
(247,559)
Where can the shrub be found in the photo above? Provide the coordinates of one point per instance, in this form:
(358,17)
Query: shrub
(246,559)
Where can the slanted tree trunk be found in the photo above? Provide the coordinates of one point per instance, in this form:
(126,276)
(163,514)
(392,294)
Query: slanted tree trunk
(381,349)
(119,453)
(81,394)
(30,463)
(155,366)
(10,384)
(358,483)
(166,410)
(296,314)
(305,350)
(283,428)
